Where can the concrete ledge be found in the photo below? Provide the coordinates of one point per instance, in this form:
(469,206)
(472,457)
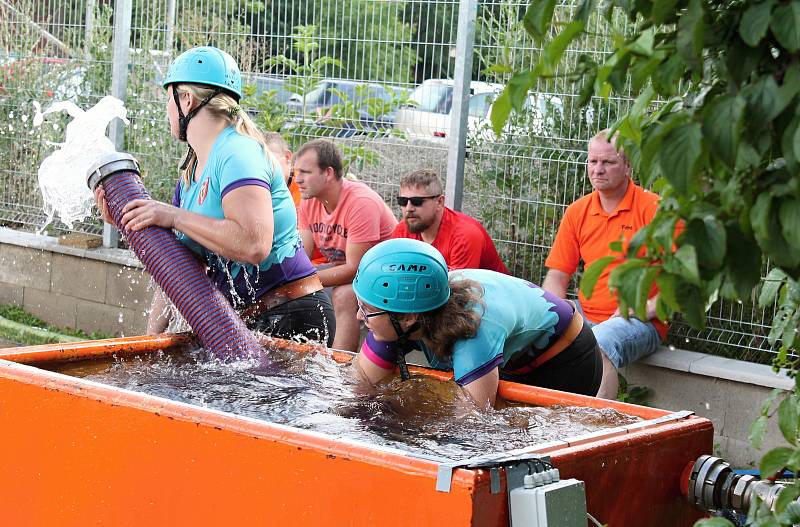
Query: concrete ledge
(719,367)
(49,243)
(104,290)
(727,391)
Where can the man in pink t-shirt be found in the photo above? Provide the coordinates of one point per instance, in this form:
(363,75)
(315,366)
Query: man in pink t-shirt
(342,219)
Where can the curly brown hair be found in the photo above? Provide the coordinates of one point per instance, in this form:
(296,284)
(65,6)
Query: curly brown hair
(457,319)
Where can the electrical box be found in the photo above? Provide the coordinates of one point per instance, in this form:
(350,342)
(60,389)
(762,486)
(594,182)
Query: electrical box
(559,504)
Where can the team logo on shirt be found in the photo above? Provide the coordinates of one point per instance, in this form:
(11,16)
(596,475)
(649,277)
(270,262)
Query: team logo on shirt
(203,193)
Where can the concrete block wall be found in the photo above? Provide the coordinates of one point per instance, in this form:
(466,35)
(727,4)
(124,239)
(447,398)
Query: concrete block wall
(103,290)
(728,392)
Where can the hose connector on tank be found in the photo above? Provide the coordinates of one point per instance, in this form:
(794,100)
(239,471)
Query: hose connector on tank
(109,164)
(714,486)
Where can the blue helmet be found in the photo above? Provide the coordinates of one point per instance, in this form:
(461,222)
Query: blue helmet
(403,276)
(206,65)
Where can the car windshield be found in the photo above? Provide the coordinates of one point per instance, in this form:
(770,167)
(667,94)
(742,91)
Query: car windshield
(323,94)
(378,92)
(264,84)
(479,104)
(436,98)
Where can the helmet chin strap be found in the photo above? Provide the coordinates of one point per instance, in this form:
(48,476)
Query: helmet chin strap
(183,120)
(403,344)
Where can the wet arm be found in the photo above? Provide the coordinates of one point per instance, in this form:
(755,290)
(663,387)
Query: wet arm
(369,371)
(158,318)
(246,232)
(483,390)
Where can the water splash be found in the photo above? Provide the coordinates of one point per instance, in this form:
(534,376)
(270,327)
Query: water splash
(62,175)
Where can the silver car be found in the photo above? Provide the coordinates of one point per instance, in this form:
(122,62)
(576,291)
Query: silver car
(429,116)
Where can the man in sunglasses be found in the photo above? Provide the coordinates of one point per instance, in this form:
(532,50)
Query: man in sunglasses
(462,240)
(342,219)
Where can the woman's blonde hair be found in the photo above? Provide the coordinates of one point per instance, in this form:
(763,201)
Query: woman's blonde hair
(457,319)
(223,106)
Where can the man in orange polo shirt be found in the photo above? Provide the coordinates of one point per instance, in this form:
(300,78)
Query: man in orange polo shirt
(614,211)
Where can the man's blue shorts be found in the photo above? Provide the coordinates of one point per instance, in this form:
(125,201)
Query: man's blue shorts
(625,341)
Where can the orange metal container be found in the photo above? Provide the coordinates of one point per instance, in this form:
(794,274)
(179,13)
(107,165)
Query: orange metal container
(76,452)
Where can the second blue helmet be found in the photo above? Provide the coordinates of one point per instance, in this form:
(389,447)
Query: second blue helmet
(402,276)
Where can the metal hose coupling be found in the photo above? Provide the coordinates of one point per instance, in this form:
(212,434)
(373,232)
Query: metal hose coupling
(714,486)
(173,267)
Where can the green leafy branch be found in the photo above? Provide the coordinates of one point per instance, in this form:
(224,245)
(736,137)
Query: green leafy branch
(714,128)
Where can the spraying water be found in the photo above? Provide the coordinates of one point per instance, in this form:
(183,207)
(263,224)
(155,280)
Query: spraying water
(62,175)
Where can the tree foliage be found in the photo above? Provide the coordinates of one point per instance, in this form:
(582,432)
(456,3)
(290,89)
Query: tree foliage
(715,129)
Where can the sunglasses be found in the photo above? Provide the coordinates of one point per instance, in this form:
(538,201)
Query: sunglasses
(368,316)
(417,201)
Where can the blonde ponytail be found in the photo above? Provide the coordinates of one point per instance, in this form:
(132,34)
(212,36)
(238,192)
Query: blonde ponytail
(223,106)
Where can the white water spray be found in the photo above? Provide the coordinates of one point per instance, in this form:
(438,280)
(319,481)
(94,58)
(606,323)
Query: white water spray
(62,175)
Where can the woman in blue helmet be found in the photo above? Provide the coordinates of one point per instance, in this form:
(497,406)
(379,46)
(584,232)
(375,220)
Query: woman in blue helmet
(232,206)
(483,325)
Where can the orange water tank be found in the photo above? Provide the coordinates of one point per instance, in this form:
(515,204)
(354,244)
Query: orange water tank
(80,453)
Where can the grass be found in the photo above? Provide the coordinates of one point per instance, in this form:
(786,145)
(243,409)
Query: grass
(17,325)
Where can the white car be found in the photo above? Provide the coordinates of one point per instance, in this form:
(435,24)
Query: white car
(429,116)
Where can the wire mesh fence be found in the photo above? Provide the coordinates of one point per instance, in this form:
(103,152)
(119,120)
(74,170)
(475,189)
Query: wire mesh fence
(374,75)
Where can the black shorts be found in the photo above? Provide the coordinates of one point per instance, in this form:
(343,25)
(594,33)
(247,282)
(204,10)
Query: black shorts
(309,317)
(577,369)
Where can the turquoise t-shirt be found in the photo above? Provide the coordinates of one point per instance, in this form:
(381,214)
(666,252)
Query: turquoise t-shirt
(516,315)
(519,321)
(237,161)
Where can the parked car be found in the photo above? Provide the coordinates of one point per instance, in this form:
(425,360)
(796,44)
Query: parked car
(429,114)
(372,106)
(268,83)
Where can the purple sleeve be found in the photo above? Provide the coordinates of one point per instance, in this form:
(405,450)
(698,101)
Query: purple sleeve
(245,182)
(382,354)
(480,372)
(176,196)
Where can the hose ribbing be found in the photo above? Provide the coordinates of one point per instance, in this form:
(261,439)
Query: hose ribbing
(179,274)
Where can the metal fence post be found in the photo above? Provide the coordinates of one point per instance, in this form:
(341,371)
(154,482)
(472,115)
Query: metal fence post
(456,148)
(123,11)
(88,33)
(170,36)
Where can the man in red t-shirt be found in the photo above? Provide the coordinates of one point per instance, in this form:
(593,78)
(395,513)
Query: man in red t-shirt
(615,211)
(342,219)
(462,240)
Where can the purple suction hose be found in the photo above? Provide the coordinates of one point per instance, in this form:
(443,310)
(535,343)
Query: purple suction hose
(174,268)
